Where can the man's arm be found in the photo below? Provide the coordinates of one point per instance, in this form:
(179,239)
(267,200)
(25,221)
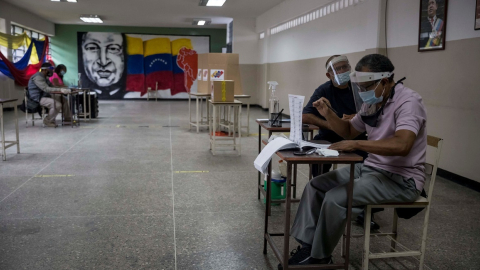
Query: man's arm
(42,84)
(398,145)
(312,119)
(339,126)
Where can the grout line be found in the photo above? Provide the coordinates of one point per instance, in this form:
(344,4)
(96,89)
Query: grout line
(49,164)
(128,215)
(173,192)
(88,216)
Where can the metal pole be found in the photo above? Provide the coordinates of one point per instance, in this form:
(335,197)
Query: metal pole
(16,127)
(349,214)
(4,153)
(286,233)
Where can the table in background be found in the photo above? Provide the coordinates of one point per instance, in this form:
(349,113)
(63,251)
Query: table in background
(74,109)
(198,122)
(293,161)
(10,143)
(216,106)
(248,111)
(284,128)
(84,113)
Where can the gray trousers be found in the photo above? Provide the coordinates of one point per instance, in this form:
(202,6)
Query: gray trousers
(55,107)
(322,213)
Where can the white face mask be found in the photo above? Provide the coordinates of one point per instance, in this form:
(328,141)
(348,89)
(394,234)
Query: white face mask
(343,78)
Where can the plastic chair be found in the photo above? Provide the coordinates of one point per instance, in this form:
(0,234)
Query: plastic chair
(149,90)
(421,202)
(33,114)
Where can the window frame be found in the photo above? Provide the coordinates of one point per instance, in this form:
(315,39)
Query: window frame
(18,54)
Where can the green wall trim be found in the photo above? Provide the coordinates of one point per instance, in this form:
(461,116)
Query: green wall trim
(64,43)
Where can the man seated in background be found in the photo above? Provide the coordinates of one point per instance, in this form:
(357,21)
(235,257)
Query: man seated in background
(395,119)
(39,87)
(338,91)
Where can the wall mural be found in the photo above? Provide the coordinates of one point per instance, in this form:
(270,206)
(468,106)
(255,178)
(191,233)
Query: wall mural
(123,66)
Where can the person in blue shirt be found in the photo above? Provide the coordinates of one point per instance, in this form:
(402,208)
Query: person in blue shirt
(338,91)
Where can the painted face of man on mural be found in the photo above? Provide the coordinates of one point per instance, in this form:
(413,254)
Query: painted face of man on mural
(103,60)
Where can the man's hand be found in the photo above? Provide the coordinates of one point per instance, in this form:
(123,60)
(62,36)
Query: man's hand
(348,117)
(65,90)
(347,146)
(321,106)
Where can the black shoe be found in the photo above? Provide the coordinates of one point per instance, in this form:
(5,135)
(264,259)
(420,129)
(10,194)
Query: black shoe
(301,256)
(373,225)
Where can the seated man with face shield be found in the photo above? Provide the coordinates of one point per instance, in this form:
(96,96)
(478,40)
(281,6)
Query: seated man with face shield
(38,88)
(339,92)
(395,119)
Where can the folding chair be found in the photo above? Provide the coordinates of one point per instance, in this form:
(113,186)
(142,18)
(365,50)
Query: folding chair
(421,202)
(33,114)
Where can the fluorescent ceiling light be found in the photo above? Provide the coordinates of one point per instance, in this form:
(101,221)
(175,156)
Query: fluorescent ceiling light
(201,21)
(215,3)
(71,1)
(91,19)
(212,3)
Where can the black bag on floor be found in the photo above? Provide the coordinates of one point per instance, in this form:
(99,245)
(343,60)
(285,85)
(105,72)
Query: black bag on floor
(407,213)
(30,107)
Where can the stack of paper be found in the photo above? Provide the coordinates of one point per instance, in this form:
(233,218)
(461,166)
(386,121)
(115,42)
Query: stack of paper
(279,143)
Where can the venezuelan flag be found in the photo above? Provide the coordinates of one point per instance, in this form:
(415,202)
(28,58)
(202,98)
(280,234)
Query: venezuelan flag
(178,73)
(158,63)
(135,72)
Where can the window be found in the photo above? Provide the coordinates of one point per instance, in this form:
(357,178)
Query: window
(20,52)
(262,35)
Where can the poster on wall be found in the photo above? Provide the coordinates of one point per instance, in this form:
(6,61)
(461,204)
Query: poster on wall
(477,16)
(217,74)
(433,25)
(123,66)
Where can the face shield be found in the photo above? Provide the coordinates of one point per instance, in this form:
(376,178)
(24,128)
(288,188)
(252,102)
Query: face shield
(364,85)
(340,68)
(49,69)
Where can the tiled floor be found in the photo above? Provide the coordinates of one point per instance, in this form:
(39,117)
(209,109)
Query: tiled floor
(116,194)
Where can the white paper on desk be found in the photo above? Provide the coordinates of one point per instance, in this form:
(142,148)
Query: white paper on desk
(316,145)
(296,107)
(262,160)
(328,152)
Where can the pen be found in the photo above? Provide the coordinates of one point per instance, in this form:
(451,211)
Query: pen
(276,118)
(330,107)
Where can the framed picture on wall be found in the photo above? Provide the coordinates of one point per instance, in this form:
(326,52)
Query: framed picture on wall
(477,16)
(432,25)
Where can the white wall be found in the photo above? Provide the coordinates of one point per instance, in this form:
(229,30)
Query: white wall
(348,30)
(286,10)
(22,17)
(245,40)
(12,14)
(403,19)
(445,79)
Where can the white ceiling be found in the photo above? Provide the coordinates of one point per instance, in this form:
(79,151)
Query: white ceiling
(154,13)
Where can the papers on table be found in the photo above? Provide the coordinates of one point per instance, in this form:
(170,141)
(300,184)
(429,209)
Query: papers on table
(266,120)
(262,160)
(280,143)
(327,152)
(296,107)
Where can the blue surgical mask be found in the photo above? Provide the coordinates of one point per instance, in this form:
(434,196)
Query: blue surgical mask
(369,97)
(343,78)
(62,72)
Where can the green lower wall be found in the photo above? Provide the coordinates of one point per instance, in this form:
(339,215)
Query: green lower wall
(64,43)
